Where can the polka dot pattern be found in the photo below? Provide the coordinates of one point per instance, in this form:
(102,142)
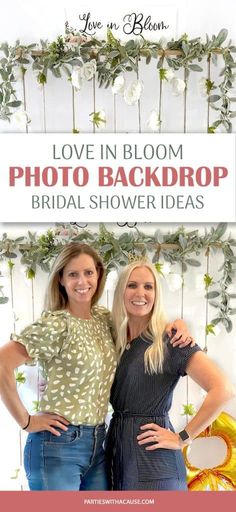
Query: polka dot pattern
(78,360)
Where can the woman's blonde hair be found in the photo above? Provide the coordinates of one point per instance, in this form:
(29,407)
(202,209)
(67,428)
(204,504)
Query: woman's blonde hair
(154,355)
(56,297)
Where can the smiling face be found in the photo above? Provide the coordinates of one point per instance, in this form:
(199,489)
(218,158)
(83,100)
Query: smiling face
(80,280)
(139,295)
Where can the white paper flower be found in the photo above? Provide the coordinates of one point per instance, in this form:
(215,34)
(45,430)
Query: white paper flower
(18,73)
(21,117)
(163,42)
(76,77)
(89,69)
(178,86)
(174,282)
(166,268)
(119,85)
(111,280)
(200,282)
(153,121)
(133,92)
(169,74)
(203,87)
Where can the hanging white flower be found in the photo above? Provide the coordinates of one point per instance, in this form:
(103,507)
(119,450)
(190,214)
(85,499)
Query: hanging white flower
(18,73)
(111,280)
(163,42)
(203,87)
(133,92)
(178,86)
(89,69)
(174,282)
(76,77)
(169,74)
(166,268)
(153,121)
(119,85)
(200,282)
(21,117)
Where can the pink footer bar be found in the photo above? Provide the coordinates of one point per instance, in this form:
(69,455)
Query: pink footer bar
(132,501)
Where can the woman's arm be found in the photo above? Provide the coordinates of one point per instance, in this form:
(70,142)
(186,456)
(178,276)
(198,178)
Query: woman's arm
(219,390)
(182,336)
(12,355)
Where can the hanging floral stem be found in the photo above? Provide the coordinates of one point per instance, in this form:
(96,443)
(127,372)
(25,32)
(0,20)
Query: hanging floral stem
(44,110)
(114,113)
(139,104)
(209,79)
(207,301)
(32,299)
(160,104)
(185,99)
(94,100)
(24,95)
(73,109)
(11,265)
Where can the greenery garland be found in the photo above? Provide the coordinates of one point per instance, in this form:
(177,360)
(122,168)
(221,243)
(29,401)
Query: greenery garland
(118,250)
(113,58)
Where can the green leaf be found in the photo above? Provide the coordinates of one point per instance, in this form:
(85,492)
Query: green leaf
(188,410)
(213,98)
(210,329)
(212,295)
(221,229)
(221,36)
(14,104)
(195,67)
(208,280)
(193,263)
(4,300)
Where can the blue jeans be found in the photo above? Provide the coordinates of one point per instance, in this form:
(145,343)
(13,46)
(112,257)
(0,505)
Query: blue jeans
(70,462)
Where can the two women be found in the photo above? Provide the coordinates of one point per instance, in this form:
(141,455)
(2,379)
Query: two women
(73,342)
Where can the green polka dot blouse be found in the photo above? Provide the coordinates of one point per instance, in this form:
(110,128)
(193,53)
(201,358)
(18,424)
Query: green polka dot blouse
(78,360)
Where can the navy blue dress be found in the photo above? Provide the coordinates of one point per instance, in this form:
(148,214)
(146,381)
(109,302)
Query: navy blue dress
(138,398)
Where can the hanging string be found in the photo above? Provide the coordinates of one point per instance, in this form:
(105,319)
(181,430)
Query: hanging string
(139,103)
(94,100)
(73,109)
(208,78)
(207,301)
(114,113)
(24,98)
(182,315)
(44,111)
(160,104)
(185,99)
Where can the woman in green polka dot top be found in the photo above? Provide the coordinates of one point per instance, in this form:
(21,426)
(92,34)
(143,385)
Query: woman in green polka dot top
(73,343)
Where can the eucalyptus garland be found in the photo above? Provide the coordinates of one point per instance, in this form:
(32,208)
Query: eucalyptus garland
(181,247)
(112,58)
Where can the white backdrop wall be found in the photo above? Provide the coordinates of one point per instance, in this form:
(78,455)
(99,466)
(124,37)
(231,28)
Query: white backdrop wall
(30,22)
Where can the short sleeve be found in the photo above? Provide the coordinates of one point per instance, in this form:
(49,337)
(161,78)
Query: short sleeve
(44,338)
(177,358)
(104,314)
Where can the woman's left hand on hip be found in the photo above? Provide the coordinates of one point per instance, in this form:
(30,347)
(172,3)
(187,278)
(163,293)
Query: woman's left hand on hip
(161,437)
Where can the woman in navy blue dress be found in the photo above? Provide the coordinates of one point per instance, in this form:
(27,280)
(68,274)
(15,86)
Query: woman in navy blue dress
(143,450)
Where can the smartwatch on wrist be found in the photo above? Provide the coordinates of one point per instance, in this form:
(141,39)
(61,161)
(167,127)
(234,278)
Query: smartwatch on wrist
(184,436)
